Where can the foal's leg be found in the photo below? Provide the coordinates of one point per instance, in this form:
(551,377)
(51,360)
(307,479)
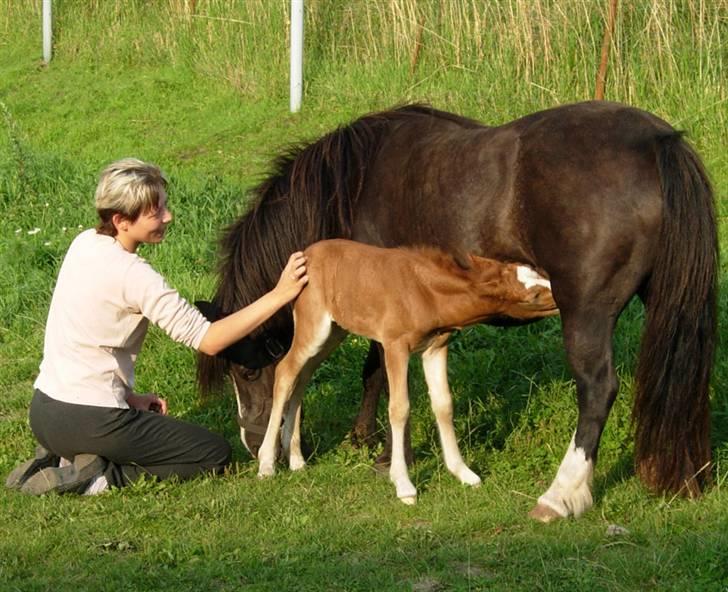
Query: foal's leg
(396,357)
(309,337)
(434,362)
(286,378)
(291,430)
(588,340)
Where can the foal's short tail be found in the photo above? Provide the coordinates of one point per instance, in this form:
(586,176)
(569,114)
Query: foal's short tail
(672,407)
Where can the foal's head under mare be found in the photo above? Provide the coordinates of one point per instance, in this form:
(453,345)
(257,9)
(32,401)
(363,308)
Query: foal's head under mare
(408,300)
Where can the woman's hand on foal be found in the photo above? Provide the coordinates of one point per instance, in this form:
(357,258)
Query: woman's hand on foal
(147,402)
(293,278)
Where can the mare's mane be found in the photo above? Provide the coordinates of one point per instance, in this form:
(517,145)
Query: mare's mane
(309,195)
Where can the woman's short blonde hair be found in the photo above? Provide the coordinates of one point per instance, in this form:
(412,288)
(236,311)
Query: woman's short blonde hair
(129,187)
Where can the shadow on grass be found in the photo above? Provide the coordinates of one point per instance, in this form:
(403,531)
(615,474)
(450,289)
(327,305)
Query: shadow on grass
(494,373)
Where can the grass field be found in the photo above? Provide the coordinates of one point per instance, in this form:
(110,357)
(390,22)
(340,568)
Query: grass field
(201,89)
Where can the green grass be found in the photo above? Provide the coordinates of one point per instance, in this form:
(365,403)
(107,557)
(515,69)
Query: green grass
(203,93)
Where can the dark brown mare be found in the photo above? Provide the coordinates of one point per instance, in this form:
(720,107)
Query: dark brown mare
(408,300)
(606,201)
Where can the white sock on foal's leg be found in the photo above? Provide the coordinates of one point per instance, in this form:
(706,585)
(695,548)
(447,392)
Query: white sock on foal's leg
(434,363)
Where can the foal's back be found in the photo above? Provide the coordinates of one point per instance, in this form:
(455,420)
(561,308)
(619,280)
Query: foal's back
(411,293)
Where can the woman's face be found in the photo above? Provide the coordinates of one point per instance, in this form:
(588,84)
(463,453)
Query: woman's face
(151,225)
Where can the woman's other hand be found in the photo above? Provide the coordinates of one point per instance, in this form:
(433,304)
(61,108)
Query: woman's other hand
(147,402)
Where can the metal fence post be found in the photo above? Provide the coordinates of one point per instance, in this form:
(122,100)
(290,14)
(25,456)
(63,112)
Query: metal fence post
(47,30)
(296,54)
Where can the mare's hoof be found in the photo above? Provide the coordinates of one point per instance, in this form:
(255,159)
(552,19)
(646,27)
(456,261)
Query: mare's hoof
(361,437)
(408,500)
(381,468)
(383,460)
(544,514)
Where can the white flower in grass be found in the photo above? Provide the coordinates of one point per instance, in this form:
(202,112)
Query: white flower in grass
(18,231)
(47,244)
(63,229)
(80,226)
(34,231)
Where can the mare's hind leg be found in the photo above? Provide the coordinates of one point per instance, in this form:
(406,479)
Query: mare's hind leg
(588,341)
(434,362)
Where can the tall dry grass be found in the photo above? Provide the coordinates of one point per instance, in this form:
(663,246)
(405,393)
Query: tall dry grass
(536,41)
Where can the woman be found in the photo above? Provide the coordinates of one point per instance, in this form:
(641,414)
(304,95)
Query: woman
(84,408)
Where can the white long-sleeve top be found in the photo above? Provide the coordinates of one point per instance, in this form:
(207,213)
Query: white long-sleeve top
(99,314)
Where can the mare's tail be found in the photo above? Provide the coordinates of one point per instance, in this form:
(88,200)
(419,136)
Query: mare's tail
(672,407)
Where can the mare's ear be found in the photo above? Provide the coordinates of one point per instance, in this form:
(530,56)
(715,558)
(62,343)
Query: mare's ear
(464,260)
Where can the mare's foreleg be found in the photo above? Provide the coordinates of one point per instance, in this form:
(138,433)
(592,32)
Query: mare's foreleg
(374,381)
(434,362)
(396,357)
(588,340)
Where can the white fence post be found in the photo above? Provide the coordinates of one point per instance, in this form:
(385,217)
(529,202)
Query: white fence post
(296,54)
(47,30)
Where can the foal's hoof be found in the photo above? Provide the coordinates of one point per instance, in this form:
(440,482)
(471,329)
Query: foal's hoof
(544,514)
(409,500)
(266,471)
(467,477)
(297,464)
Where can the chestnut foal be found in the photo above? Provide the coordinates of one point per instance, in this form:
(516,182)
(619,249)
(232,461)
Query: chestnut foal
(409,300)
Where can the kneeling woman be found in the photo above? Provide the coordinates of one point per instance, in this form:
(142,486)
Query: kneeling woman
(84,408)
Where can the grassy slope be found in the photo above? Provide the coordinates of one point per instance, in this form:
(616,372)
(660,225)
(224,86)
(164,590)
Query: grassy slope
(336,525)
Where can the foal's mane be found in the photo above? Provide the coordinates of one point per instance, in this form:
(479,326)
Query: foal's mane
(309,195)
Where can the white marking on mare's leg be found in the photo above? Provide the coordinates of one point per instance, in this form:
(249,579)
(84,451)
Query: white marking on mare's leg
(570,492)
(240,415)
(529,278)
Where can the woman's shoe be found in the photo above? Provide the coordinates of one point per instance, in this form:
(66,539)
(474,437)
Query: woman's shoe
(73,478)
(42,460)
